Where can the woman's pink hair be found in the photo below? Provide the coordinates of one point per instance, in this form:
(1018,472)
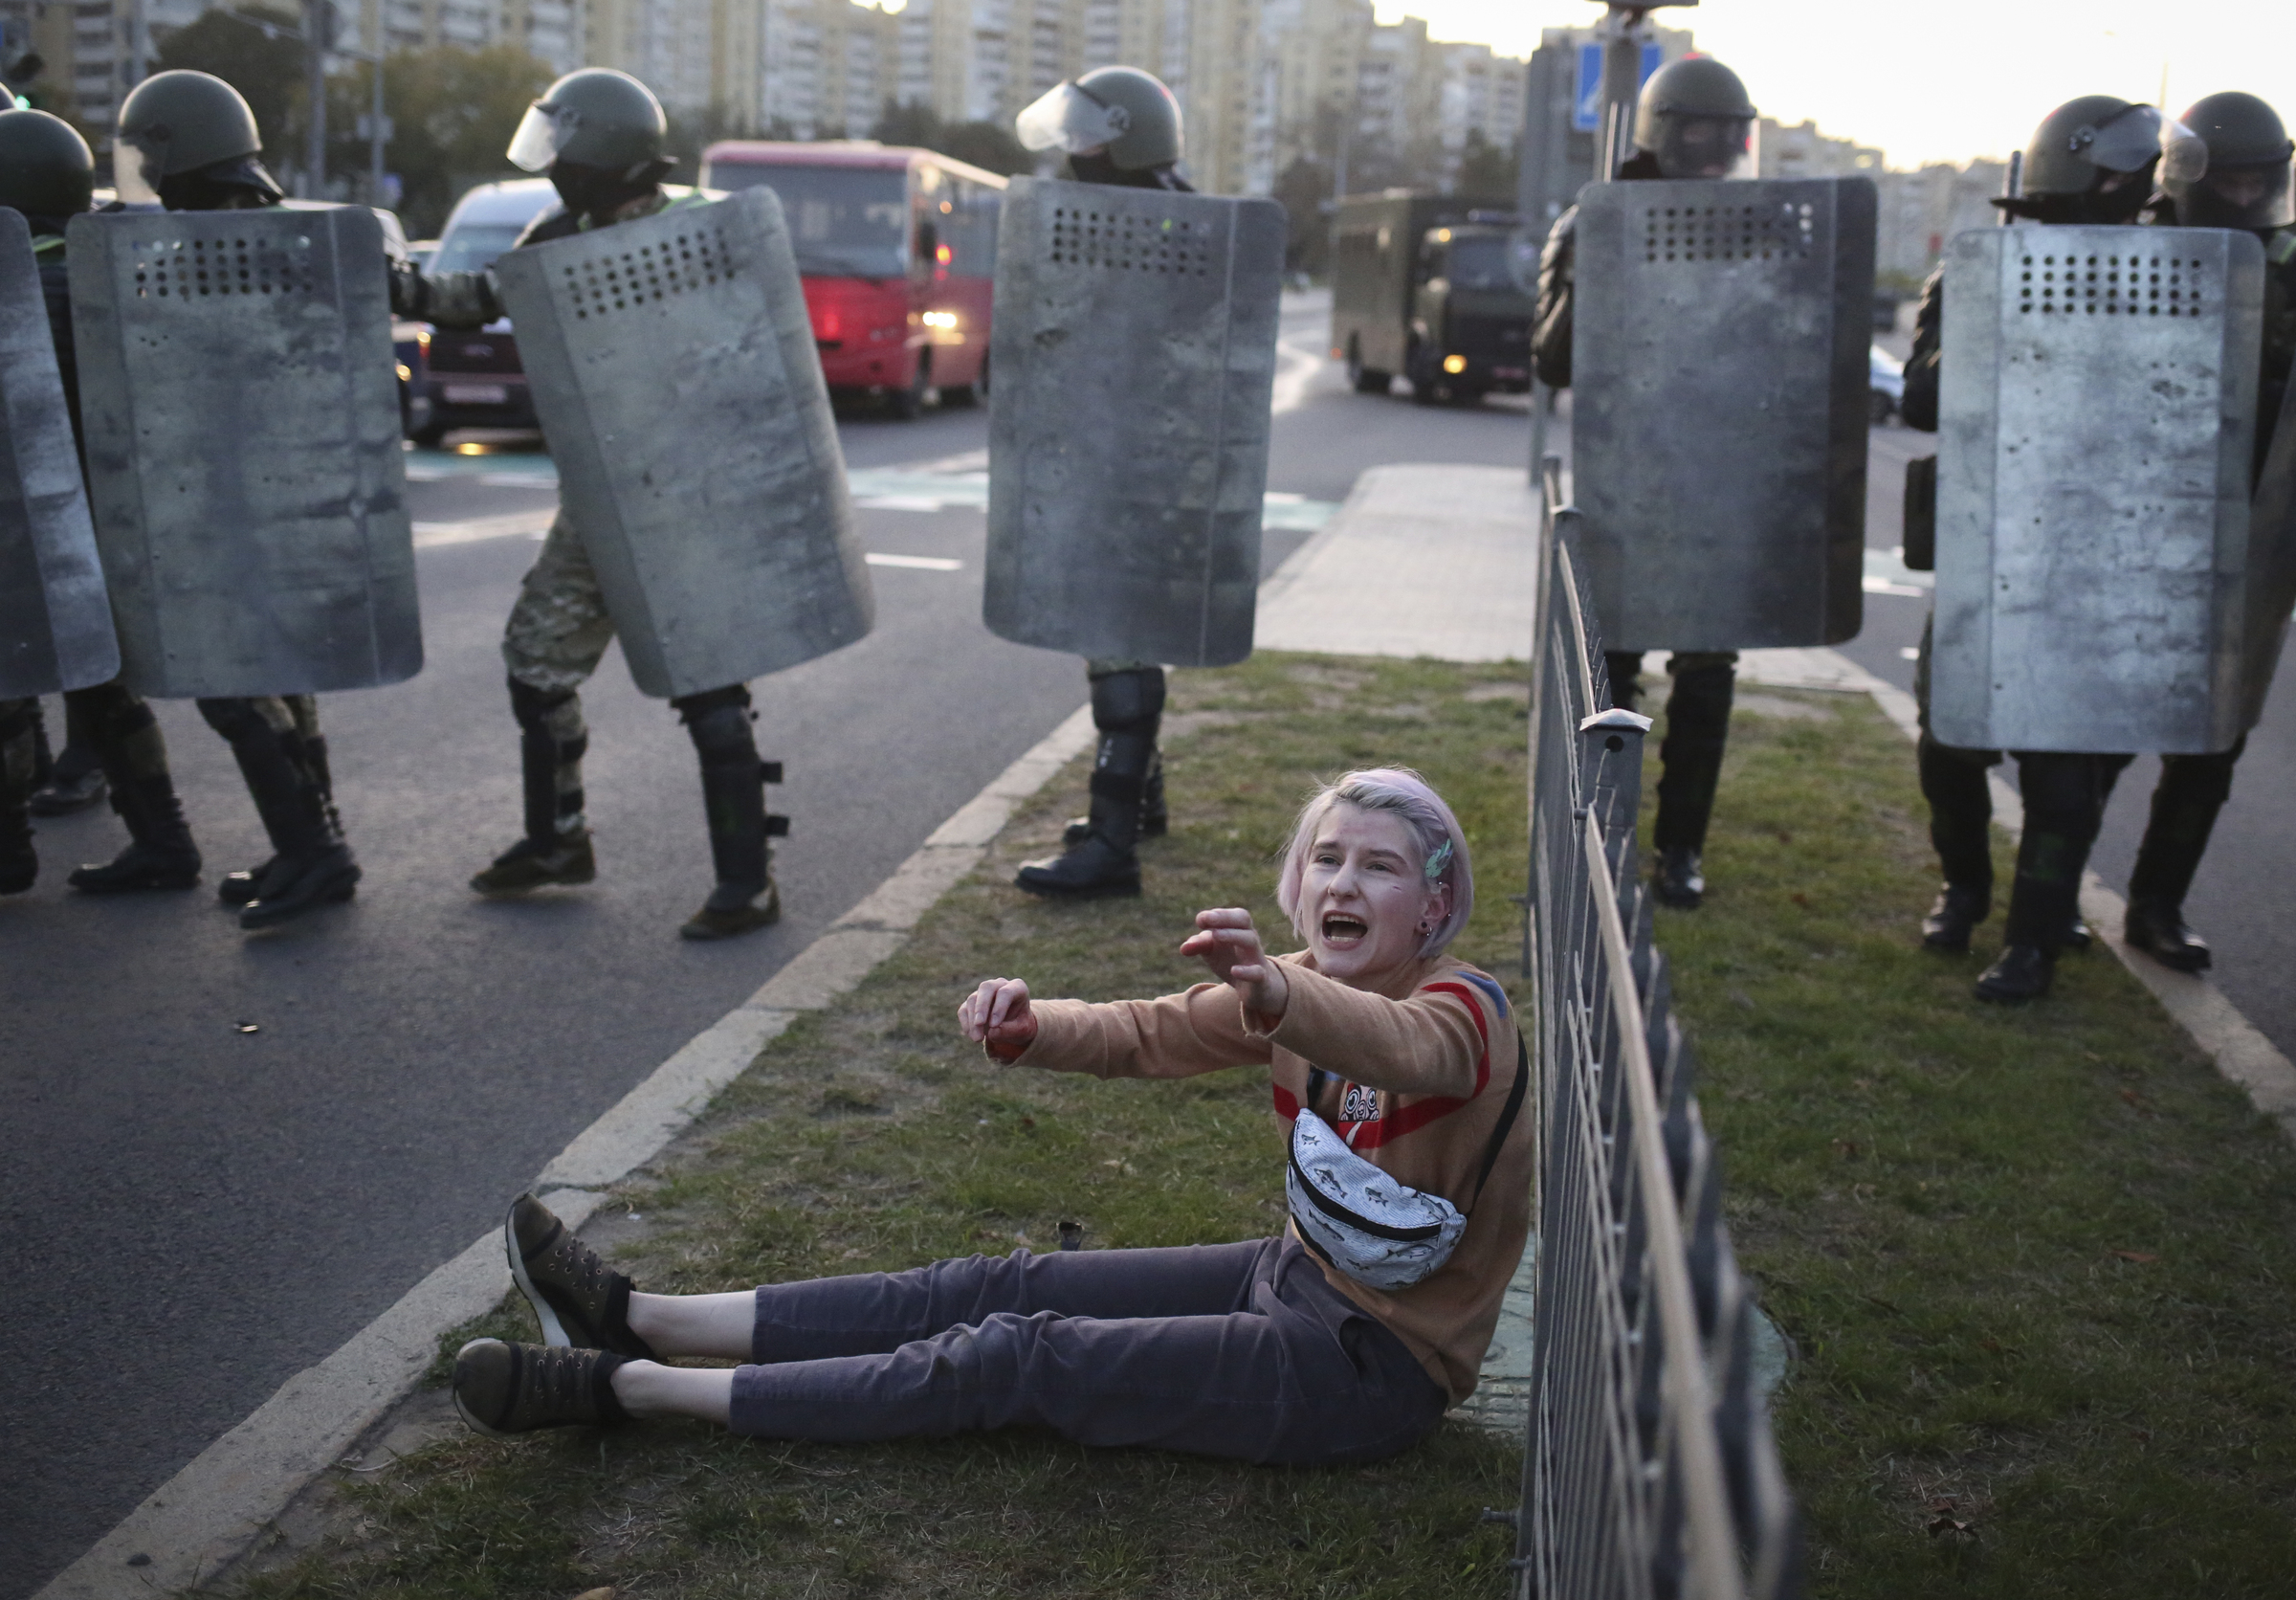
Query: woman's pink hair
(1400,792)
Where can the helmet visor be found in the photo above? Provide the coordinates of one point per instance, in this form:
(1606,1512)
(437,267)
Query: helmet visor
(2125,141)
(1067,119)
(138,164)
(542,132)
(1703,147)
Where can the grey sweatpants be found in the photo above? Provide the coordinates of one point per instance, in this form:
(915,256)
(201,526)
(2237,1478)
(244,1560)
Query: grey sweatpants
(1240,1350)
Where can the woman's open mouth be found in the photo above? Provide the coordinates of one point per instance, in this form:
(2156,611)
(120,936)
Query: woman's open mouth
(1339,928)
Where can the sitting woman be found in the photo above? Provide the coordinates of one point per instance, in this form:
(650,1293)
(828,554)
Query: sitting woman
(1397,1074)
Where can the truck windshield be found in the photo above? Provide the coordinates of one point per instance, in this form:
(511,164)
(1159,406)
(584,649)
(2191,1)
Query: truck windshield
(844,221)
(1480,263)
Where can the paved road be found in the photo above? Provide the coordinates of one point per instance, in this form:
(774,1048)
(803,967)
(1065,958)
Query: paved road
(190,1213)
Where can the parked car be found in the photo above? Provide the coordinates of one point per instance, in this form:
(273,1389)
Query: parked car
(406,338)
(471,378)
(1888,375)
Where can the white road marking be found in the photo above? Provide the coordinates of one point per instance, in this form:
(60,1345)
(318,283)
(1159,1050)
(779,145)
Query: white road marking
(921,564)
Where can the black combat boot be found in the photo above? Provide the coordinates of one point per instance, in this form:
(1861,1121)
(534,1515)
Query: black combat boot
(1960,907)
(1127,708)
(733,795)
(238,888)
(2020,973)
(76,778)
(2192,790)
(1676,879)
(1690,770)
(160,854)
(19,765)
(557,849)
(311,866)
(1156,821)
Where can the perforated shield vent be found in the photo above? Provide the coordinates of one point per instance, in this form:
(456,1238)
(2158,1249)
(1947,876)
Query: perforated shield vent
(1111,239)
(2146,285)
(1741,233)
(604,284)
(183,269)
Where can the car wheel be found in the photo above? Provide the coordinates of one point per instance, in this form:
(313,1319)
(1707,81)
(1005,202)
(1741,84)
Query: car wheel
(1878,406)
(430,437)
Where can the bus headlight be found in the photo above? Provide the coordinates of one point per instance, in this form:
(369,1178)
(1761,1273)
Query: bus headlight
(1454,365)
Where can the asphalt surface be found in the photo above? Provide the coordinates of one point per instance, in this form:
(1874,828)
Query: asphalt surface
(192,1212)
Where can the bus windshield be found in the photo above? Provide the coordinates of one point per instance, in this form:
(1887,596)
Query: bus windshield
(844,221)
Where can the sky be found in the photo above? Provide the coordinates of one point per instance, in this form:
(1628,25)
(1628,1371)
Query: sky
(1944,79)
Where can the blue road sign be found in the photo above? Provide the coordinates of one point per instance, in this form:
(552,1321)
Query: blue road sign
(1587,114)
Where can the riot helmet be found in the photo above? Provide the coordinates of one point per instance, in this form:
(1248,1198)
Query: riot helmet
(45,167)
(2092,161)
(1121,115)
(1694,119)
(188,141)
(2243,182)
(598,134)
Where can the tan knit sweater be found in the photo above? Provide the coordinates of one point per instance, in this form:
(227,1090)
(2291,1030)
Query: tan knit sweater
(1423,1073)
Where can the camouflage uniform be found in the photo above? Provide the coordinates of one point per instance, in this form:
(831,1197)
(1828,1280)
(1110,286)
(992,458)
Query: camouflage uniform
(557,634)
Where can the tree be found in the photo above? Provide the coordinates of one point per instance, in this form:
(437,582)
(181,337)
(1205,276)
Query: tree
(1304,190)
(1487,171)
(258,53)
(988,145)
(451,112)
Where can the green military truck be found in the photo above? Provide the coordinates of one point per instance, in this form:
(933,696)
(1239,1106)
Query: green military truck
(1424,286)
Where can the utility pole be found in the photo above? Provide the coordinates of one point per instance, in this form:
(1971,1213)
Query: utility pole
(317,35)
(138,46)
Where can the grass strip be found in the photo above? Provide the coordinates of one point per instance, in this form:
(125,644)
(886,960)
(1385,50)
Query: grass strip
(870,1138)
(2036,1259)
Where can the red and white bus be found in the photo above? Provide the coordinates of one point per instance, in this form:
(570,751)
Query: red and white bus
(898,248)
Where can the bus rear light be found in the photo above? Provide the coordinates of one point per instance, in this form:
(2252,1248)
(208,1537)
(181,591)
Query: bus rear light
(941,318)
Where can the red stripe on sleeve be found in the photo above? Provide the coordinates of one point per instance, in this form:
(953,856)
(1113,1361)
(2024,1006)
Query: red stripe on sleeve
(1409,1119)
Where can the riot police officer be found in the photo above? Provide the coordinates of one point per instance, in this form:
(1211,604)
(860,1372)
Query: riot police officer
(1693,122)
(1121,127)
(47,173)
(598,135)
(2245,184)
(2090,161)
(188,141)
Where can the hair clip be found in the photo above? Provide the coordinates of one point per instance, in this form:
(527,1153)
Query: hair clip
(1438,863)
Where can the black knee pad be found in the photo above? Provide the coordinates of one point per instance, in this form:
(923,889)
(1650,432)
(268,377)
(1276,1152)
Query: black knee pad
(1125,699)
(237,719)
(110,711)
(531,706)
(717,720)
(2063,795)
(17,720)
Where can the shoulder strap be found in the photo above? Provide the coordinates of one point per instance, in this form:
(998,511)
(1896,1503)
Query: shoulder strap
(1506,1122)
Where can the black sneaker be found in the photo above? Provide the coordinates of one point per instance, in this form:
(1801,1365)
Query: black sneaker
(581,1302)
(505,1389)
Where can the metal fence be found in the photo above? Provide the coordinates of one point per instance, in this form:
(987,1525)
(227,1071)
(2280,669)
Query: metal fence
(1650,1471)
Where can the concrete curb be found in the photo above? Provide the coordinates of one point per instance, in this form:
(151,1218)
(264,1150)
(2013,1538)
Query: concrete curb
(207,1514)
(2243,1054)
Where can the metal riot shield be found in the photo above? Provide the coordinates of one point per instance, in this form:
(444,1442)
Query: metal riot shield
(674,371)
(1134,346)
(55,621)
(2096,411)
(244,464)
(1720,378)
(2271,590)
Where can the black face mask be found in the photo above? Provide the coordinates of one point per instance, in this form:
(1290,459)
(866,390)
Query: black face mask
(597,190)
(1099,169)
